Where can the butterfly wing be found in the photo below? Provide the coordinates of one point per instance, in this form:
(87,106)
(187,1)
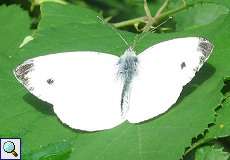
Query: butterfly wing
(163,70)
(82,86)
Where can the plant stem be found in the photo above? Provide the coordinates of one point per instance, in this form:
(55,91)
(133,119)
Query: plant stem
(184,2)
(154,20)
(147,10)
(172,12)
(56,1)
(162,8)
(130,22)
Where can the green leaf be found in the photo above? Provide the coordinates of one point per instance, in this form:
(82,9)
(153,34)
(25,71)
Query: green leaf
(222,125)
(54,151)
(199,15)
(14,25)
(68,28)
(211,153)
(18,117)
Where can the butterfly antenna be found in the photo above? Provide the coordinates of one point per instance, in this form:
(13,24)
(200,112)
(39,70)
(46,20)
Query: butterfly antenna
(154,28)
(122,38)
(141,36)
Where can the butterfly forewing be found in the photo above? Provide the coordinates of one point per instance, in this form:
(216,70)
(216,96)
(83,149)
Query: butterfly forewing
(163,70)
(82,86)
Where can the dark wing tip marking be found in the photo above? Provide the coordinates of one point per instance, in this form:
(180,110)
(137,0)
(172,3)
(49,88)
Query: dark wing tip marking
(205,47)
(22,70)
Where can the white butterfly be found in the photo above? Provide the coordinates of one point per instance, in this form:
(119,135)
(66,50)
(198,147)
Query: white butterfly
(96,91)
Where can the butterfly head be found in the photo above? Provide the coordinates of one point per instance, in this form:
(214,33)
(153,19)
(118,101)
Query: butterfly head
(129,52)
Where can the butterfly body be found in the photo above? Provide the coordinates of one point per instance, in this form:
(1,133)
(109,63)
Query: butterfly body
(96,91)
(127,69)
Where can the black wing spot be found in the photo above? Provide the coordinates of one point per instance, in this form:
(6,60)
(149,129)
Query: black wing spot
(50,81)
(182,65)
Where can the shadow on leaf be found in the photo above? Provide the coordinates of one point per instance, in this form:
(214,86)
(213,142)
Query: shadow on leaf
(204,74)
(38,104)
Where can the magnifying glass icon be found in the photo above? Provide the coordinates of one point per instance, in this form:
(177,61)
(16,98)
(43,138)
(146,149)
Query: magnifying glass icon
(9,147)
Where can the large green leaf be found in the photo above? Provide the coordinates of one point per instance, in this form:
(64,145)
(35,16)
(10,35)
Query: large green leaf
(18,117)
(68,28)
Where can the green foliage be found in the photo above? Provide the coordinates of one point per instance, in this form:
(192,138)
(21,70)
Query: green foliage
(222,127)
(199,15)
(73,27)
(211,153)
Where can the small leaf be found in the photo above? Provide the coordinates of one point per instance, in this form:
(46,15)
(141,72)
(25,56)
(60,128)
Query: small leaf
(26,40)
(211,153)
(60,151)
(199,15)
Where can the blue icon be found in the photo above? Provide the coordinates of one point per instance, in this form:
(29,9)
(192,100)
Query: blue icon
(9,147)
